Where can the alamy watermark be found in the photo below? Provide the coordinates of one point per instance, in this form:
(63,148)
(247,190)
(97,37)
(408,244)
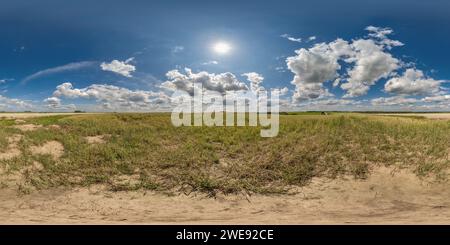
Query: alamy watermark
(201,107)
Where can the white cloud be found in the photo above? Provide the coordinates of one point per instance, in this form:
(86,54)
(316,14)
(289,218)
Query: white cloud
(336,82)
(310,91)
(327,104)
(312,67)
(5,80)
(371,64)
(129,60)
(280,69)
(380,34)
(58,69)
(67,90)
(413,82)
(255,80)
(113,97)
(53,102)
(312,38)
(290,38)
(215,82)
(367,58)
(212,62)
(282,91)
(334,102)
(437,99)
(14,104)
(391,101)
(177,49)
(120,67)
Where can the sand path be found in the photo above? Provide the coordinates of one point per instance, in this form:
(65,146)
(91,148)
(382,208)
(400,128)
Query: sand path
(384,198)
(436,116)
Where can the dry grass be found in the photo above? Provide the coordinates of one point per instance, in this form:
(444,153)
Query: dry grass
(157,156)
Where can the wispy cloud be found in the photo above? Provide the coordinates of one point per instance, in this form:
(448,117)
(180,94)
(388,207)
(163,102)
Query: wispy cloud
(177,49)
(19,49)
(211,62)
(5,80)
(58,69)
(312,38)
(290,38)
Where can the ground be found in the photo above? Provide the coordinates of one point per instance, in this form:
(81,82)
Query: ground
(341,168)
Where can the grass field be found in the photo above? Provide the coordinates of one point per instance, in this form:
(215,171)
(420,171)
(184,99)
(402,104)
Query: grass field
(144,151)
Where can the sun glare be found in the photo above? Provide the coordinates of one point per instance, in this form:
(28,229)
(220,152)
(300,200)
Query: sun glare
(222,48)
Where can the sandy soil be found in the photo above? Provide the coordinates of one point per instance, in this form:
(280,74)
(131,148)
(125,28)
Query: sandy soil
(12,150)
(53,148)
(18,115)
(387,197)
(98,139)
(27,127)
(441,116)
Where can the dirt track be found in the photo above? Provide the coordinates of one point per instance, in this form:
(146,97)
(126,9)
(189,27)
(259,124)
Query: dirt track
(19,115)
(440,116)
(384,198)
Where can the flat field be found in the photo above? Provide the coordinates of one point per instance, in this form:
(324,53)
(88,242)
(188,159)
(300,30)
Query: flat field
(436,116)
(138,168)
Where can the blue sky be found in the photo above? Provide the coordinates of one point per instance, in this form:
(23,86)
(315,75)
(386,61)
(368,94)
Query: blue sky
(115,55)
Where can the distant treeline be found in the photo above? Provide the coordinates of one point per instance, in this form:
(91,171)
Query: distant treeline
(366,112)
(281,113)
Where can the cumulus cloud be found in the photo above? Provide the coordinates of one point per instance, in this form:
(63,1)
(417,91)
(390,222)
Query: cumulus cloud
(14,104)
(282,91)
(371,63)
(290,38)
(112,97)
(120,67)
(67,90)
(215,82)
(53,102)
(327,104)
(368,62)
(58,69)
(312,67)
(380,34)
(396,100)
(413,82)
(311,38)
(334,102)
(437,99)
(255,80)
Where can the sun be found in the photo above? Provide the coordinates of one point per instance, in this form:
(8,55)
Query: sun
(222,48)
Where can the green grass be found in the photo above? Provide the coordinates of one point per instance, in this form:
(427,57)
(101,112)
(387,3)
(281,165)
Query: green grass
(227,159)
(45,121)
